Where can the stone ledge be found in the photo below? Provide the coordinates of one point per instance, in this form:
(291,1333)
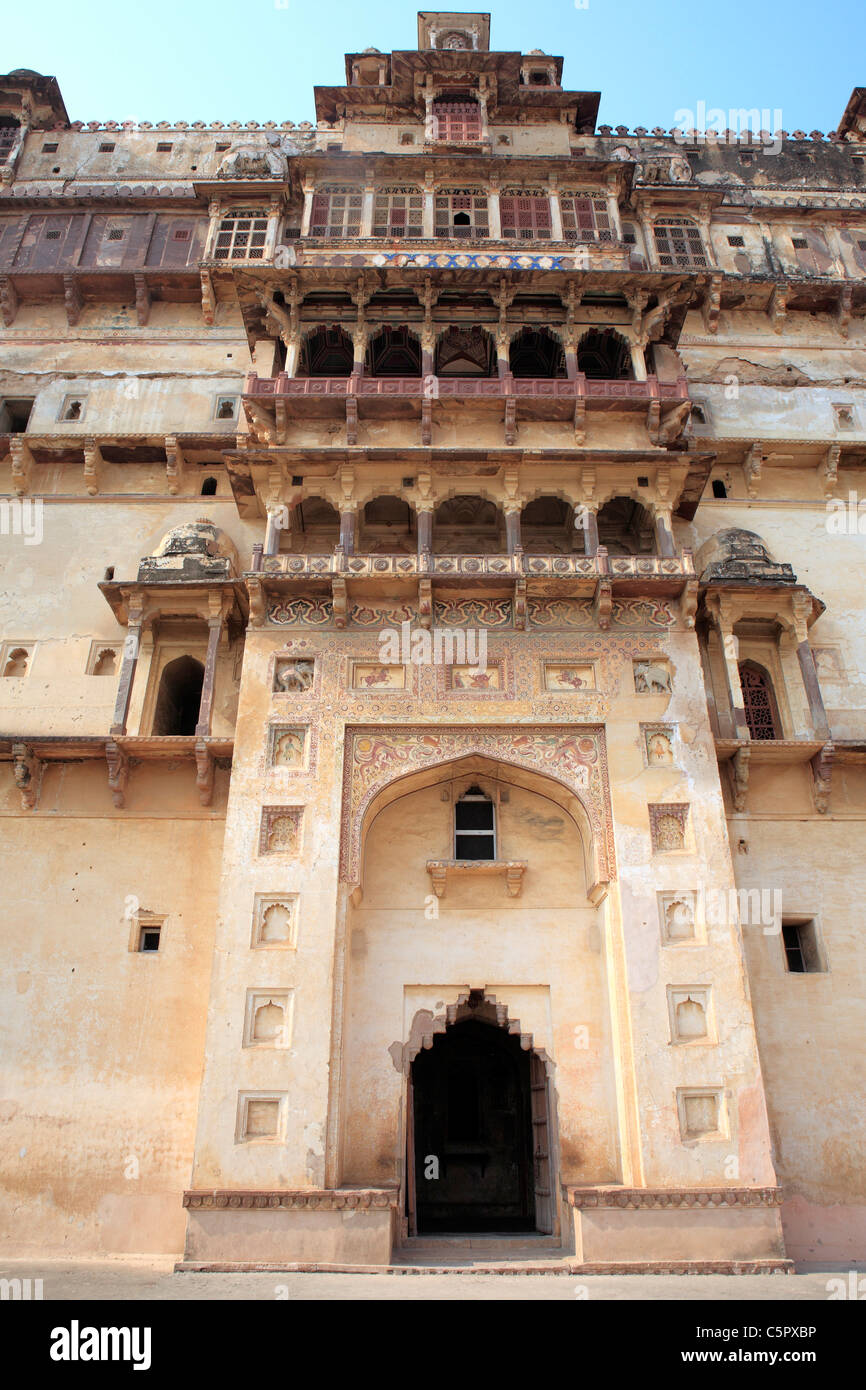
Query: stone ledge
(661,1198)
(315,1200)
(768,1266)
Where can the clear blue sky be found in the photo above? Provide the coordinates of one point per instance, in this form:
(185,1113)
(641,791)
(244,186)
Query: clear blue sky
(258,59)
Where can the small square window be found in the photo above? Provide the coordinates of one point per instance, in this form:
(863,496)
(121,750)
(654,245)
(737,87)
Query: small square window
(53,234)
(736,241)
(163,147)
(803,954)
(73,408)
(148,937)
(50,148)
(226,407)
(115,234)
(221,149)
(799,243)
(180,234)
(107,147)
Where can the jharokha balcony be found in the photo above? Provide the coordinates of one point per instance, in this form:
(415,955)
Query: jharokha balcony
(270,402)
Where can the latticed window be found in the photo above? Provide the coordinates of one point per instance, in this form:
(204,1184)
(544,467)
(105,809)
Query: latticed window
(241,235)
(8,136)
(585,217)
(678,242)
(461,212)
(525,213)
(398,211)
(337,211)
(459,122)
(760,705)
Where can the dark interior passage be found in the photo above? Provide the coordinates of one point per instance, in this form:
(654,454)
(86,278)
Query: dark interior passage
(472,1115)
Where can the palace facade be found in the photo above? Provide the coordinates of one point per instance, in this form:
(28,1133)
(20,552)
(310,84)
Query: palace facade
(432,678)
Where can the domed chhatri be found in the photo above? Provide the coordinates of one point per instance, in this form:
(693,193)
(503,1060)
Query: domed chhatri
(194,550)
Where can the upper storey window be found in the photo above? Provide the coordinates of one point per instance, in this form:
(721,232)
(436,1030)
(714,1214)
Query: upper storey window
(336,211)
(678,242)
(241,235)
(461,212)
(585,217)
(8,136)
(525,213)
(398,211)
(458,122)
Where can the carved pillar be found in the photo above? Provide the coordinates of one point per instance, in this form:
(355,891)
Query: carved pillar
(272,533)
(613,207)
(309,189)
(131,645)
(367,210)
(429,119)
(512,528)
(730,651)
(348,527)
(502,353)
(424,516)
(802,605)
(205,709)
(638,361)
(590,528)
(555,212)
(664,532)
(493,211)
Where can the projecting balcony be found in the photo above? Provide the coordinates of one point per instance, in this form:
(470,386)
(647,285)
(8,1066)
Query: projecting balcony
(272,402)
(620,568)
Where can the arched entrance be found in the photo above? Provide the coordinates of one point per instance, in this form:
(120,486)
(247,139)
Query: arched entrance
(478,1135)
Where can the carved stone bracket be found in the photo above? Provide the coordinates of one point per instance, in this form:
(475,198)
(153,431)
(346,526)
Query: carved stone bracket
(822,776)
(828,469)
(689,603)
(752,465)
(118,772)
(204,772)
(208,298)
(712,304)
(740,777)
(520,604)
(510,420)
(425,601)
(27,772)
(339,600)
(72,299)
(844,309)
(778,307)
(351,420)
(92,464)
(142,299)
(22,464)
(512,869)
(8,300)
(174,464)
(258,613)
(602,604)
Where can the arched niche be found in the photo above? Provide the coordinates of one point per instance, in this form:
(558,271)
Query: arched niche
(178,698)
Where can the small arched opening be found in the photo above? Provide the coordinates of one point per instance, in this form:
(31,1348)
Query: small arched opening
(467,524)
(625,527)
(465,352)
(387,527)
(314,527)
(179,697)
(327,351)
(394,352)
(535,352)
(603,355)
(547,528)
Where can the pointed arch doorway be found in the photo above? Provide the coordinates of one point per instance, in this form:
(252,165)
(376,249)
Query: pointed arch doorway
(478,1154)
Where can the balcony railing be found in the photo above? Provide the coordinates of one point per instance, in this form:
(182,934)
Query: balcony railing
(592,567)
(439,388)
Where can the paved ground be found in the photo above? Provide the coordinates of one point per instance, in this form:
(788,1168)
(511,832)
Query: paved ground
(138,1279)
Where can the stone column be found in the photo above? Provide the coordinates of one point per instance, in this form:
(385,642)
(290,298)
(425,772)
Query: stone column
(205,709)
(638,362)
(802,604)
(494,212)
(360,339)
(308,209)
(348,528)
(424,516)
(131,646)
(664,532)
(730,651)
(512,528)
(555,213)
(503,343)
(272,532)
(367,211)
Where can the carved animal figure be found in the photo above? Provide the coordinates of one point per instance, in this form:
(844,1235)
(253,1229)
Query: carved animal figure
(650,678)
(298,676)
